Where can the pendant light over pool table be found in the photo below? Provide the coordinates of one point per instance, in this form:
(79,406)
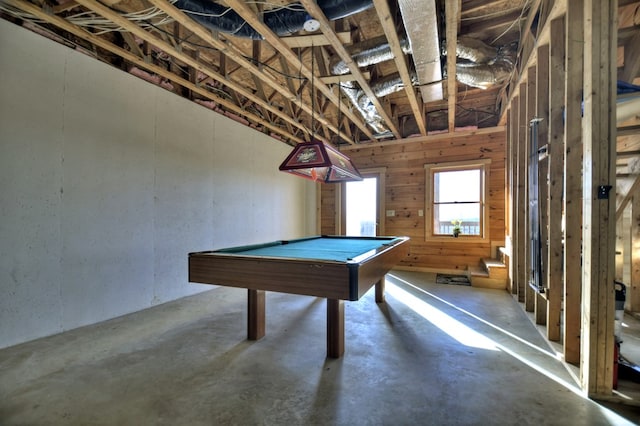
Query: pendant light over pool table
(316,160)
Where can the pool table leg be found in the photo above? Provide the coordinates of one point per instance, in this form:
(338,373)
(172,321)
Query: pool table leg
(255,316)
(380,291)
(335,328)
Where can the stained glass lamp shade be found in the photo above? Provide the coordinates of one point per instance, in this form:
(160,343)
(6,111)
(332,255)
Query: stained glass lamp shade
(319,162)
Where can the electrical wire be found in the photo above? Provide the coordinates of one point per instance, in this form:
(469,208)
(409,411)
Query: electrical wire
(296,7)
(229,9)
(18,13)
(490,15)
(102,25)
(142,18)
(524,7)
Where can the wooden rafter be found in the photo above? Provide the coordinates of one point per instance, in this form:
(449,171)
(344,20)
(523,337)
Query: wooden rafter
(388,25)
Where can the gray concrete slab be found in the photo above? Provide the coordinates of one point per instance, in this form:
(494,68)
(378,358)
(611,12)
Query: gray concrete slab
(432,354)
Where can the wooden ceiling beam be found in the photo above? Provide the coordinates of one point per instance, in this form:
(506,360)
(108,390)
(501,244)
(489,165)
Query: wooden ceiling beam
(334,79)
(389,27)
(315,40)
(257,52)
(452,14)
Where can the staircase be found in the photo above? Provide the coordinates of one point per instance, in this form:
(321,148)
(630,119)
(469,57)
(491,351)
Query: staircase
(490,273)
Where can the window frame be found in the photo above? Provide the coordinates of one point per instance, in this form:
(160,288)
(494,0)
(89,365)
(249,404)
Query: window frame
(430,169)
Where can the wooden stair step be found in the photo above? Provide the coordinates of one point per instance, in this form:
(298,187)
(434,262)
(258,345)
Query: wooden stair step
(489,274)
(496,268)
(493,263)
(478,271)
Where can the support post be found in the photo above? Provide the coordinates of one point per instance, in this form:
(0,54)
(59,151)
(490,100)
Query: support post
(555,278)
(599,167)
(573,180)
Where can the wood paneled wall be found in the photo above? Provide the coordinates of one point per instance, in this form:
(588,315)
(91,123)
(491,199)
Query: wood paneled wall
(405,182)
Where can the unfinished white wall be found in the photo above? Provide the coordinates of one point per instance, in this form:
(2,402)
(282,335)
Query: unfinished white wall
(107,182)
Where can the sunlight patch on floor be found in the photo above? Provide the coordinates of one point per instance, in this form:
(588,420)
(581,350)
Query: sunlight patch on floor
(467,335)
(554,355)
(444,322)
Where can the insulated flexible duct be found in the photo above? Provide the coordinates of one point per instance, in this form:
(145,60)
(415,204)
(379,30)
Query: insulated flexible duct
(365,107)
(485,65)
(474,50)
(367,53)
(283,21)
(383,87)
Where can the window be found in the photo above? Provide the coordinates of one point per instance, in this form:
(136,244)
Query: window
(456,196)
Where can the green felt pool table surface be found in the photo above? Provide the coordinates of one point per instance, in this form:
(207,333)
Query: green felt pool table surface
(335,248)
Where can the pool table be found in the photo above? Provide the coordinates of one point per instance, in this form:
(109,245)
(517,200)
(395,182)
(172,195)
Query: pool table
(337,268)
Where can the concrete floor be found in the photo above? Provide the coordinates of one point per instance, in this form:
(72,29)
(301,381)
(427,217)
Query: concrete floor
(433,354)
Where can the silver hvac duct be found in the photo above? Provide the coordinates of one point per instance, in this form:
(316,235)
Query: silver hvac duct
(383,87)
(474,50)
(483,66)
(365,107)
(390,84)
(480,66)
(420,23)
(369,52)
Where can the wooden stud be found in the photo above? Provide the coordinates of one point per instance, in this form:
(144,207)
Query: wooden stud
(555,281)
(508,197)
(542,112)
(452,12)
(389,27)
(530,293)
(522,203)
(513,168)
(574,46)
(599,164)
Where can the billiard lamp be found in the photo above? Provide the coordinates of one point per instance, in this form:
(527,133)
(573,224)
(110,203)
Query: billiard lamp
(318,161)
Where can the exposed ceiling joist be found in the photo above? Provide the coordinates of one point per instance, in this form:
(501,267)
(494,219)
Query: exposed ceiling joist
(264,76)
(452,11)
(389,27)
